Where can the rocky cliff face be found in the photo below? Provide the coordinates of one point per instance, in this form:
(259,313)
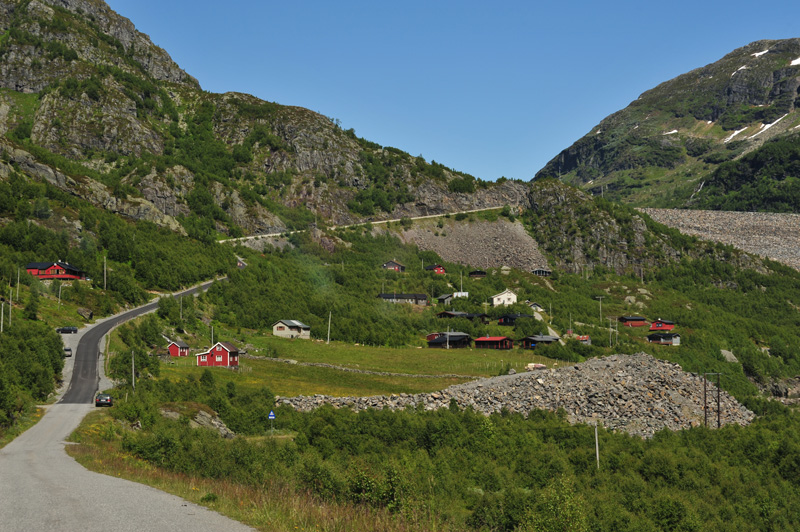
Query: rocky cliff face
(80,85)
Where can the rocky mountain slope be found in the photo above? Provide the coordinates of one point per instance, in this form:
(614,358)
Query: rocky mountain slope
(662,148)
(91,105)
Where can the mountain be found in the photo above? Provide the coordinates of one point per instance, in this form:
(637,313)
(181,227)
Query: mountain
(726,135)
(91,105)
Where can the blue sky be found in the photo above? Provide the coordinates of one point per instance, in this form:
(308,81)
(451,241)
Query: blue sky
(488,88)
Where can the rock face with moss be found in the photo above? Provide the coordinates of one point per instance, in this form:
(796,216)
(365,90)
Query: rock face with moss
(663,147)
(85,94)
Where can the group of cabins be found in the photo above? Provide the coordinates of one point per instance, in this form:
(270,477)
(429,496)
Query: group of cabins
(475,274)
(456,340)
(223,354)
(226,354)
(658,327)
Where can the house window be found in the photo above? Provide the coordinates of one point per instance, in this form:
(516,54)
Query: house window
(219,358)
(202,358)
(281,328)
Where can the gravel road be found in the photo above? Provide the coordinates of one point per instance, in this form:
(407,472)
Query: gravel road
(44,489)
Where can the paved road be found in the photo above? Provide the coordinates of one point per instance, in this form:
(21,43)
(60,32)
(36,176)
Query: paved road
(44,489)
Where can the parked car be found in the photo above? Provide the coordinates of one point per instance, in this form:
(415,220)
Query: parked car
(103,399)
(67,351)
(67,330)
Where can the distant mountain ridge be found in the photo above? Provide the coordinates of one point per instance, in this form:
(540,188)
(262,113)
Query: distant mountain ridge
(667,146)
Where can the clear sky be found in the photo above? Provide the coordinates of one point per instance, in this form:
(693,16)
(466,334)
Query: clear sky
(488,88)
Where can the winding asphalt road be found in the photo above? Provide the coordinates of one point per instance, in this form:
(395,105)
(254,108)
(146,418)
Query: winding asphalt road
(44,489)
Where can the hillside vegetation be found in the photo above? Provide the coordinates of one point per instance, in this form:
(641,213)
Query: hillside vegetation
(691,131)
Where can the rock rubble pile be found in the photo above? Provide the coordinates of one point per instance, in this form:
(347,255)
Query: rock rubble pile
(772,235)
(638,394)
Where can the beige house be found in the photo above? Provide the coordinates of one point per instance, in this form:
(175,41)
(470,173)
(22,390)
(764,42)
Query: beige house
(291,329)
(506,297)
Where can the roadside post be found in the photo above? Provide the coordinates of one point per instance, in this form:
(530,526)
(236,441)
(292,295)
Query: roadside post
(271,422)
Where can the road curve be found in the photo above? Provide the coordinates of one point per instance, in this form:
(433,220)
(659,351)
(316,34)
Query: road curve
(44,489)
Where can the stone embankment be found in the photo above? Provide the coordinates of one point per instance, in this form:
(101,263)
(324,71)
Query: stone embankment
(638,394)
(771,235)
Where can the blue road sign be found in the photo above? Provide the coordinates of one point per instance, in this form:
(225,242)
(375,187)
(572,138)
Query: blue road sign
(271,414)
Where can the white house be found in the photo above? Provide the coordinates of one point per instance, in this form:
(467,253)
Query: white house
(291,329)
(506,297)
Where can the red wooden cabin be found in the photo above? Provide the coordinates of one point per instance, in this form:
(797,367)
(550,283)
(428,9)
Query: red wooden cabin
(55,270)
(178,349)
(494,342)
(633,321)
(662,325)
(222,354)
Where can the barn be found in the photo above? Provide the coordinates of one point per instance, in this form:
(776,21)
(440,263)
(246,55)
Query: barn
(221,354)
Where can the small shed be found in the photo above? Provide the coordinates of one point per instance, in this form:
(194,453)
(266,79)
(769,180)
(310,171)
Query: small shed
(393,265)
(662,325)
(494,342)
(477,274)
(445,299)
(542,272)
(633,321)
(664,338)
(449,340)
(221,354)
(506,297)
(530,342)
(291,329)
(178,348)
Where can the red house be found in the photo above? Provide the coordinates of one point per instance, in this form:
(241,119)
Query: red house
(55,270)
(178,349)
(494,342)
(436,268)
(222,354)
(633,321)
(662,325)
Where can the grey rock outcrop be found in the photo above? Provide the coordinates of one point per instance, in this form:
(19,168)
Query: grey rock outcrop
(637,394)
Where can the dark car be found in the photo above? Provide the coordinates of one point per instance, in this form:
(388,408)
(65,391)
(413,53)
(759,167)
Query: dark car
(67,351)
(67,330)
(103,399)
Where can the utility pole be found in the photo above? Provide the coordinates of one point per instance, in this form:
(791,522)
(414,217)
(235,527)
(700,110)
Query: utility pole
(104,272)
(596,446)
(181,301)
(601,307)
(330,313)
(705,404)
(59,296)
(9,307)
(2,315)
(17,284)
(133,371)
(610,330)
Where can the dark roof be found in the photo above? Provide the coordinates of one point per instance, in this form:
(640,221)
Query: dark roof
(179,343)
(403,296)
(632,318)
(229,346)
(46,265)
(667,322)
(477,272)
(445,296)
(542,338)
(392,262)
(444,338)
(433,266)
(453,314)
(473,316)
(292,323)
(663,336)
